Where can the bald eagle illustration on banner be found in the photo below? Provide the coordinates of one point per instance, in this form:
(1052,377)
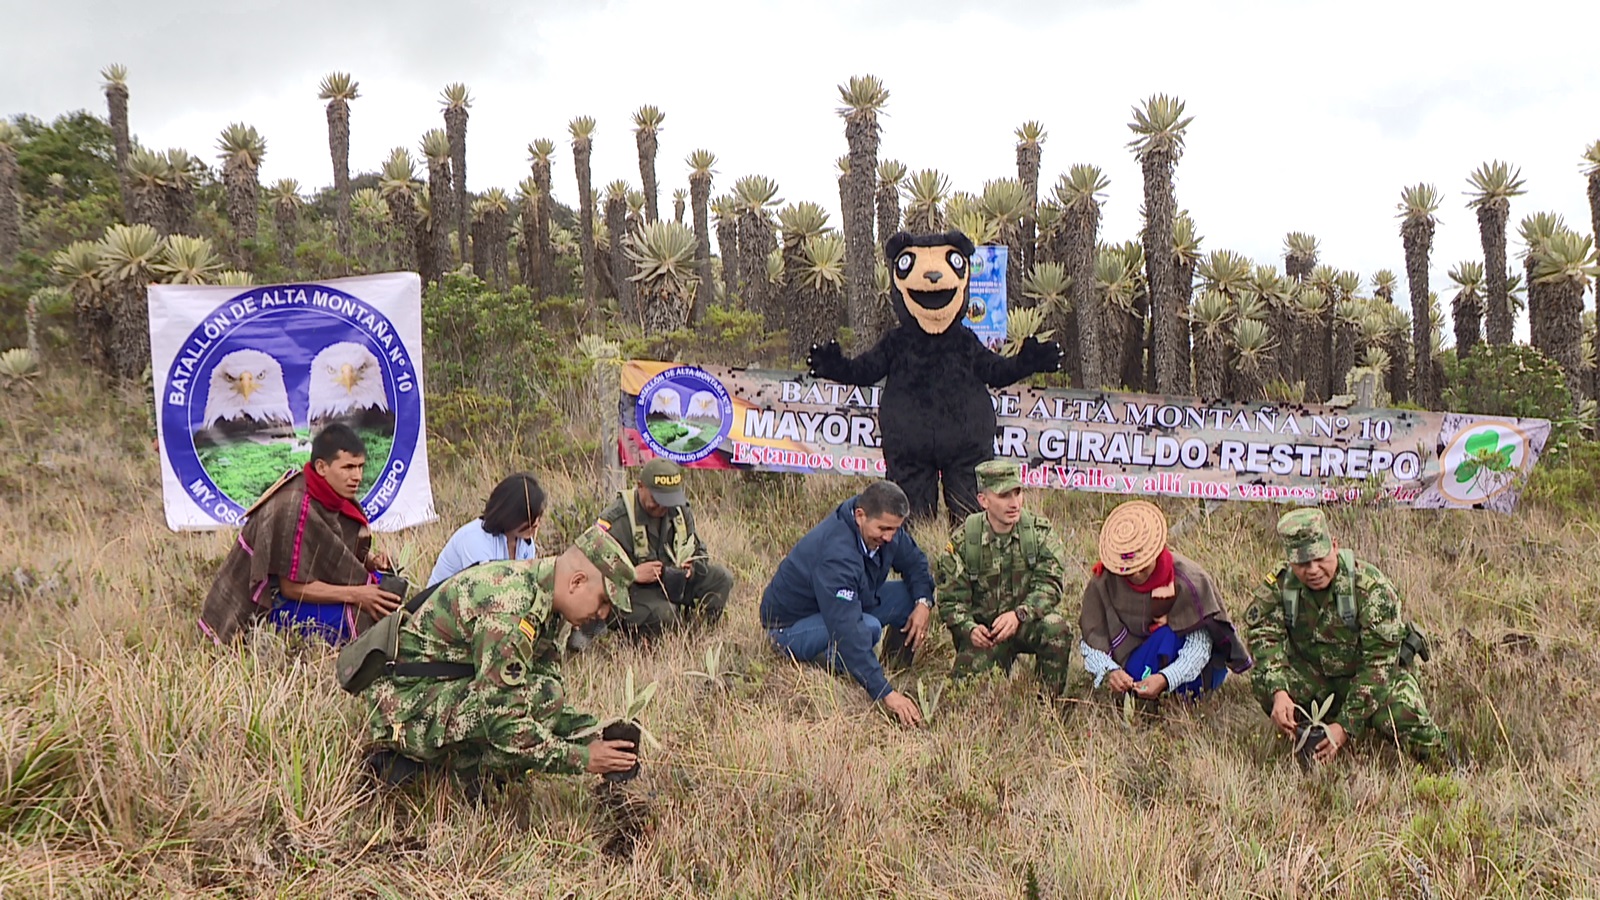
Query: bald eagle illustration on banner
(246,377)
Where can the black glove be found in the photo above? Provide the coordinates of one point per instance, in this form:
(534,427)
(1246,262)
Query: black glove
(824,359)
(1040,356)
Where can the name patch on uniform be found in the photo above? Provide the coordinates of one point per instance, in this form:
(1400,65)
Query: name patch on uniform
(847,596)
(528,629)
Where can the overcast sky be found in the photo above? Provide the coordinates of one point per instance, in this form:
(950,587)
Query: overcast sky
(1307,116)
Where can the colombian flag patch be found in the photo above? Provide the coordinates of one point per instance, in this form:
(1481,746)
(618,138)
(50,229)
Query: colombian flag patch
(602,524)
(527,629)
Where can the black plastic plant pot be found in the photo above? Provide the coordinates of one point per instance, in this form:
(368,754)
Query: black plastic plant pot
(1305,755)
(622,731)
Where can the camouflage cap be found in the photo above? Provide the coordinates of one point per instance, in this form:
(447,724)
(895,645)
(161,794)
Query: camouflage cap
(616,570)
(997,476)
(664,479)
(1305,535)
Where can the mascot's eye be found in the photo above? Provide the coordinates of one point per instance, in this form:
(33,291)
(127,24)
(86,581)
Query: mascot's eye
(957,261)
(905,262)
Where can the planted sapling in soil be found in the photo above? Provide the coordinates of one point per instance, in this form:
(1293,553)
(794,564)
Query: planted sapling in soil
(1310,730)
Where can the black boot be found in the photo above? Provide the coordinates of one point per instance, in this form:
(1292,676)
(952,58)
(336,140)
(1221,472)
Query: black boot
(393,769)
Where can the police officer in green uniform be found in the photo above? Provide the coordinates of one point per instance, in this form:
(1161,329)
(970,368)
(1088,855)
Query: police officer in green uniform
(1329,623)
(675,578)
(1000,581)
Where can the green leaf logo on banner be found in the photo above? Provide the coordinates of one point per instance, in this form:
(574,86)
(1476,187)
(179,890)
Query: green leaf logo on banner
(1484,453)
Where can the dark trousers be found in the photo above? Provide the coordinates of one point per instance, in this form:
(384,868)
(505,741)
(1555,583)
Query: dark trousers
(705,596)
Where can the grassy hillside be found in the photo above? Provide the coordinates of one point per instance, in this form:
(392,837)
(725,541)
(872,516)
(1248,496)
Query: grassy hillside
(141,761)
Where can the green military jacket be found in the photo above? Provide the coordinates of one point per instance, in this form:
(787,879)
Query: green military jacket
(1367,655)
(671,538)
(1001,580)
(497,617)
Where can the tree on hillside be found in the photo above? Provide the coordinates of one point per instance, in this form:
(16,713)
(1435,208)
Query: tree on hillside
(701,163)
(77,265)
(183,173)
(1466,307)
(1030,135)
(891,174)
(116,90)
(1299,255)
(926,193)
(864,97)
(757,198)
(283,199)
(582,131)
(1494,184)
(1535,231)
(800,223)
(543,281)
(1080,193)
(1417,206)
(1160,126)
(820,290)
(456,100)
(528,246)
(1005,203)
(399,186)
(664,275)
(496,211)
(1564,266)
(646,127)
(619,266)
(680,204)
(726,210)
(338,88)
(441,201)
(1185,257)
(1212,318)
(10,194)
(146,174)
(242,149)
(126,265)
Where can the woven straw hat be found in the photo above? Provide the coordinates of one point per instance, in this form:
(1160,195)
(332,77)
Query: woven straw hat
(1133,536)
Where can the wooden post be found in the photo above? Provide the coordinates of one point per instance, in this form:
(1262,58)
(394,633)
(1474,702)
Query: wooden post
(607,387)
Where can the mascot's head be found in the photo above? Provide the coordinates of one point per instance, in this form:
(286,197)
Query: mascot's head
(930,274)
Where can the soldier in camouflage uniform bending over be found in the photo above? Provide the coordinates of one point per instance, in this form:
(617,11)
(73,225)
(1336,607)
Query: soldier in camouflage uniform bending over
(497,706)
(999,582)
(1329,623)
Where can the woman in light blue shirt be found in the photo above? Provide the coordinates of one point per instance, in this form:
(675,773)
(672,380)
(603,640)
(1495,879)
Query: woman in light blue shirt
(505,530)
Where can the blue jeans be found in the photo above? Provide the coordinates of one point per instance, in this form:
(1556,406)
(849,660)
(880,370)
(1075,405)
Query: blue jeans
(807,640)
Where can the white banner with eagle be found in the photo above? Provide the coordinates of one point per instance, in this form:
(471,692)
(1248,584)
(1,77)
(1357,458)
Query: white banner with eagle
(245,376)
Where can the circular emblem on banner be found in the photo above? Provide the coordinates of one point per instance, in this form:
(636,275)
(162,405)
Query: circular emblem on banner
(266,371)
(683,414)
(1481,461)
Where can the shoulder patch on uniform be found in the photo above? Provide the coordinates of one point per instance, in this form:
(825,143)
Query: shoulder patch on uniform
(602,524)
(527,628)
(846,595)
(950,548)
(1271,579)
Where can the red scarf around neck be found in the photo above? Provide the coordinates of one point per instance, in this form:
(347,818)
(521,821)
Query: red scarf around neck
(1160,576)
(323,492)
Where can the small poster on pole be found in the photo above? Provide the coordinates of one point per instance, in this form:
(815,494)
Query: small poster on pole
(986,303)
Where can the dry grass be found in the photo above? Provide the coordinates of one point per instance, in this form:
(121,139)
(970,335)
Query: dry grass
(140,761)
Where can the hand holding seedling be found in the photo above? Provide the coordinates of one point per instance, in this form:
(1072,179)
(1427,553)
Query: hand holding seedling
(611,756)
(1283,713)
(1330,746)
(981,637)
(1151,687)
(375,601)
(904,708)
(1119,681)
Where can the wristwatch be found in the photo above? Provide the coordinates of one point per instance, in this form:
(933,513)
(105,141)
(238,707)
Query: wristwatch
(924,601)
(1022,613)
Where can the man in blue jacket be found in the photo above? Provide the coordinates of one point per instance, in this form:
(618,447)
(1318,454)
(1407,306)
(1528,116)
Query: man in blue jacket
(828,603)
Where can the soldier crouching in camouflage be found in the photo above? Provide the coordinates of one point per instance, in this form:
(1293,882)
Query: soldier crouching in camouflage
(476,684)
(1329,623)
(1000,582)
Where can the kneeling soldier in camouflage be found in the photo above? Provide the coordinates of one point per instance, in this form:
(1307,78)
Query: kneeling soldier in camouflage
(1000,581)
(1328,623)
(475,684)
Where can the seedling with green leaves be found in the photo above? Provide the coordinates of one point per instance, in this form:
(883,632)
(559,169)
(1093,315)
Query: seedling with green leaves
(928,701)
(1311,732)
(627,726)
(713,673)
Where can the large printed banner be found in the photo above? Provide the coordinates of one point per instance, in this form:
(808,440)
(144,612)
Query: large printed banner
(717,417)
(244,376)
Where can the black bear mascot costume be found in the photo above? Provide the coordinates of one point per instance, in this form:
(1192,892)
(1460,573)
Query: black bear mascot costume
(934,415)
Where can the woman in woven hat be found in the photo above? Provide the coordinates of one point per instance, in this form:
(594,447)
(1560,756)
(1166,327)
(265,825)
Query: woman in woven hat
(1152,621)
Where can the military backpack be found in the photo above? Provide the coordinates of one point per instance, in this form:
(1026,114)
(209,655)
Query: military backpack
(376,652)
(972,542)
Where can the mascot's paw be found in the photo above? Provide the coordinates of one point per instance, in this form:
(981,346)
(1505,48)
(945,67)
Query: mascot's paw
(1040,356)
(824,359)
